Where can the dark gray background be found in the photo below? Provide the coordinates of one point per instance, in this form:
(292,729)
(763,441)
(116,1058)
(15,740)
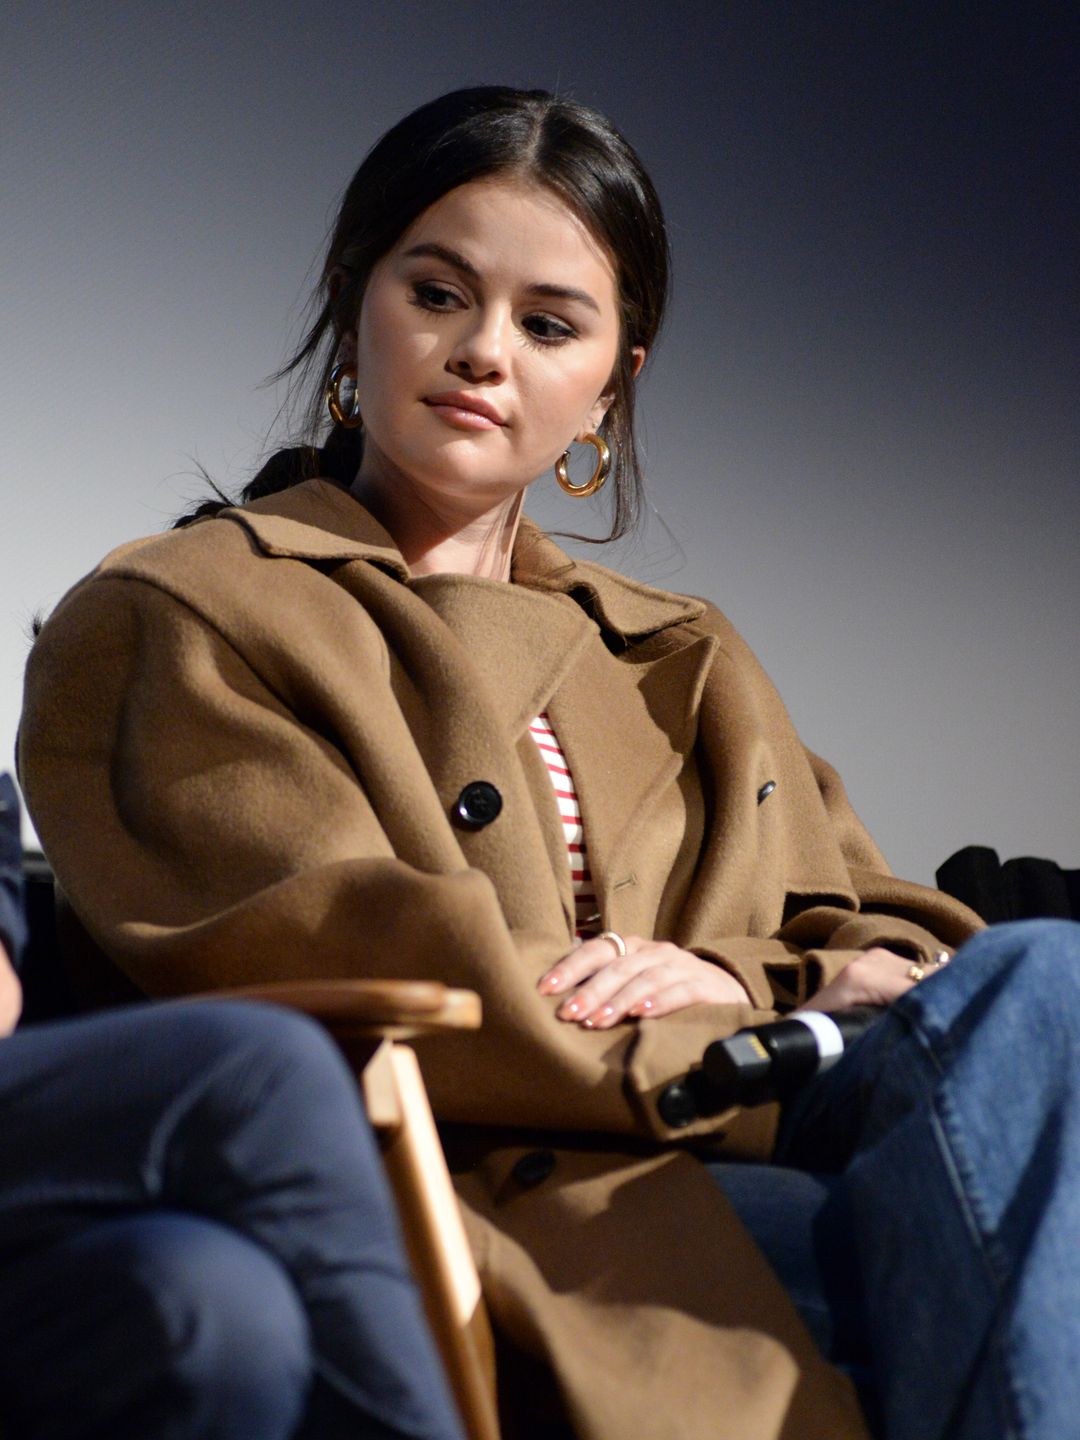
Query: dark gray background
(861,424)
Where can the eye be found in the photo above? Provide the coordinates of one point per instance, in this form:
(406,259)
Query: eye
(431,295)
(548,330)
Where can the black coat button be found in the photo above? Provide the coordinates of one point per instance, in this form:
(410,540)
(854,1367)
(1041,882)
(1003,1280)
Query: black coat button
(478,804)
(766,790)
(677,1105)
(534,1168)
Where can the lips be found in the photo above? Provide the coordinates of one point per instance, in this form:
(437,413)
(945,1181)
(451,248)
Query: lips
(459,407)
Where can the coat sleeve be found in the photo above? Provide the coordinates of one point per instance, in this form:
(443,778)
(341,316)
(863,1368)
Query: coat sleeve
(818,892)
(207,834)
(913,920)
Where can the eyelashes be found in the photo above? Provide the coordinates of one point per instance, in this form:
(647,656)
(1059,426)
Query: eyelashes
(555,332)
(539,330)
(426,295)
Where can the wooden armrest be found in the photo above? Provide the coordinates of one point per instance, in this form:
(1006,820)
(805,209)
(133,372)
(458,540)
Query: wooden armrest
(362,1009)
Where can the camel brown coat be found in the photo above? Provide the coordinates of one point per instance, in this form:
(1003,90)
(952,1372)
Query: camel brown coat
(244,746)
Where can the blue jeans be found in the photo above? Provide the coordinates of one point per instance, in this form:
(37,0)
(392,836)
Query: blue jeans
(196,1238)
(941,1245)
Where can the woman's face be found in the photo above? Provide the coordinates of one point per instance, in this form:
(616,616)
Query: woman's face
(485,344)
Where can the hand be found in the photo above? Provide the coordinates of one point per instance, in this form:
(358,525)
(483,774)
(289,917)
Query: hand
(653,978)
(10,995)
(877,977)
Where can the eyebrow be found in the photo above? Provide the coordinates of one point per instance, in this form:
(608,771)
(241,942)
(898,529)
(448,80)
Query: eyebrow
(458,261)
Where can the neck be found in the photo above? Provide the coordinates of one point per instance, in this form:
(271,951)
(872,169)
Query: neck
(438,536)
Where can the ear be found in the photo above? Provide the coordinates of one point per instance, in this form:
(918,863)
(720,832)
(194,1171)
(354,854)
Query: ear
(335,279)
(345,351)
(604,404)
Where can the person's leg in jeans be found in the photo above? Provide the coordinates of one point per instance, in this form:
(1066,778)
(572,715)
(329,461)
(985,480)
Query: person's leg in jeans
(800,1223)
(157,1324)
(245,1116)
(956,1123)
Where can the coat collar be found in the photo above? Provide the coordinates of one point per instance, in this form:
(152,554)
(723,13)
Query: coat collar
(619,605)
(318,520)
(519,649)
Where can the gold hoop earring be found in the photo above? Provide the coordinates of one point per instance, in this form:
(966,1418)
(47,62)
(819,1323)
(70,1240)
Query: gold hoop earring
(598,476)
(351,419)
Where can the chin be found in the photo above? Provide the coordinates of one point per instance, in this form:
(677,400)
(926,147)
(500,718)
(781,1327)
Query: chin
(469,481)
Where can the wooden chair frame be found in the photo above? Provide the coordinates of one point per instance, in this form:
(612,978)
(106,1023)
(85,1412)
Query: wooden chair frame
(371,1020)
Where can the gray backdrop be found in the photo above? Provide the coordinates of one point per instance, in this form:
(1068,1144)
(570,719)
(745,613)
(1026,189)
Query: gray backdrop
(862,422)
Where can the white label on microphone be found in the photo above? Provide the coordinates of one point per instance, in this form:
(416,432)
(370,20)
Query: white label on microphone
(827,1032)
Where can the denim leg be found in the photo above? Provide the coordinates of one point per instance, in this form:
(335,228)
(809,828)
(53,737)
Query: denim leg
(323,1207)
(800,1224)
(247,1115)
(960,1113)
(159,1325)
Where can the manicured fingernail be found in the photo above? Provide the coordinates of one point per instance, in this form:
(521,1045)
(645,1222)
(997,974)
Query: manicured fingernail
(571,1007)
(641,1008)
(589,1024)
(549,983)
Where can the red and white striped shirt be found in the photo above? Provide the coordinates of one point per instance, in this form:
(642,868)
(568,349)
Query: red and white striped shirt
(570,813)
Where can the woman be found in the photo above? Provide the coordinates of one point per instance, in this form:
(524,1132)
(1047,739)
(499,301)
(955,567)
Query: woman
(319,733)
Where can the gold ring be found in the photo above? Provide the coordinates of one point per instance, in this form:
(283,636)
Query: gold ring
(616,940)
(916,973)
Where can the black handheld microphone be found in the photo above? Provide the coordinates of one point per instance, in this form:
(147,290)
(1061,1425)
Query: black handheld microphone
(769,1062)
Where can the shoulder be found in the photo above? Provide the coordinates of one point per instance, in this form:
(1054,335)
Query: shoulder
(302,523)
(662,620)
(256,588)
(220,568)
(629,608)
(186,563)
(645,610)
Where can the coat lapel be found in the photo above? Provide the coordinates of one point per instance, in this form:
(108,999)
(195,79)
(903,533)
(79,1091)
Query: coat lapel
(627,726)
(520,645)
(626,708)
(572,638)
(521,641)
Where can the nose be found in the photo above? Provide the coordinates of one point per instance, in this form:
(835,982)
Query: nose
(479,352)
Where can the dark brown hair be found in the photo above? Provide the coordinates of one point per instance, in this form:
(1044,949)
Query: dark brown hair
(464,136)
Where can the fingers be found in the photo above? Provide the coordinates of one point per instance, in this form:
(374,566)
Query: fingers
(606,991)
(653,978)
(600,985)
(919,969)
(877,977)
(654,990)
(585,960)
(601,988)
